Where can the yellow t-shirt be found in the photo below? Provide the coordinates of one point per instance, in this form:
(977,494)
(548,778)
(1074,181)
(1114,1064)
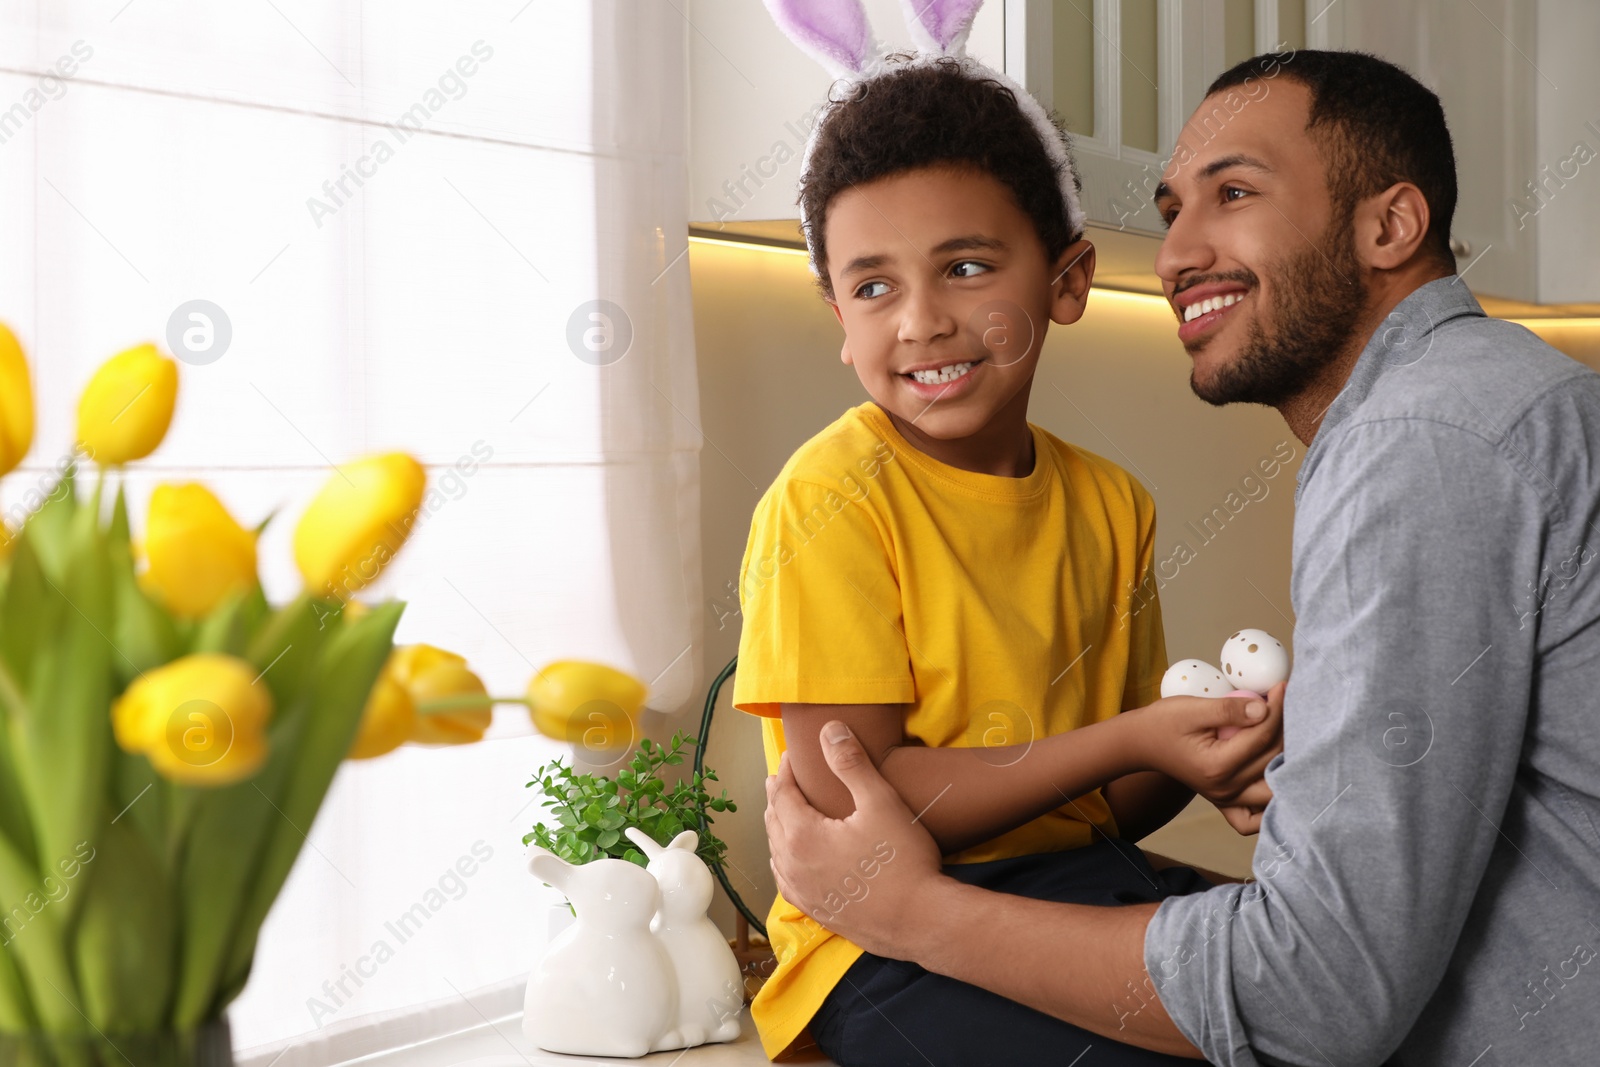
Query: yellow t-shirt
(998,609)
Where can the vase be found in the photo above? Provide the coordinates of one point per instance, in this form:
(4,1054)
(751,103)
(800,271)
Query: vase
(209,1046)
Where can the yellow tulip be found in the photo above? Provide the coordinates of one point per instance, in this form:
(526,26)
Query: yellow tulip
(16,403)
(197,553)
(430,673)
(241,759)
(588,704)
(389,720)
(412,674)
(127,406)
(357,523)
(201,719)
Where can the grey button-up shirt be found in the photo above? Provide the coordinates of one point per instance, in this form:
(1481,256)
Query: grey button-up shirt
(1427,879)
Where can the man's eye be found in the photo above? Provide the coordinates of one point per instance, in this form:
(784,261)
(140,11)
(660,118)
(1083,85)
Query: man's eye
(862,292)
(1229,190)
(976,268)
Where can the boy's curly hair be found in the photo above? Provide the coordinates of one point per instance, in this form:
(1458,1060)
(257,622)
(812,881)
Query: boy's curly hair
(931,114)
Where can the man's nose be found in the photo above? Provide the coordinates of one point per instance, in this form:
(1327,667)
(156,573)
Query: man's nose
(1186,249)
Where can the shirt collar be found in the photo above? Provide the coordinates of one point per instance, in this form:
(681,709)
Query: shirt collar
(1402,339)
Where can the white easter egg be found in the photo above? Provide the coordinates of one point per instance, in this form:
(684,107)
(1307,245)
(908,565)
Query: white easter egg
(1194,678)
(1254,660)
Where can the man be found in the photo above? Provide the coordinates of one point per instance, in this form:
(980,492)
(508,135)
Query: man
(1427,878)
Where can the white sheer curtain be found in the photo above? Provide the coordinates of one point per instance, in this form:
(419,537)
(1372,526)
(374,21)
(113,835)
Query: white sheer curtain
(404,211)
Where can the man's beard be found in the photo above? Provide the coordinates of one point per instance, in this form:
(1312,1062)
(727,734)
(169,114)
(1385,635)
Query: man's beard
(1320,301)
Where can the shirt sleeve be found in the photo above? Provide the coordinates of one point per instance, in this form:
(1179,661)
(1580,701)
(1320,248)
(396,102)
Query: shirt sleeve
(1147,639)
(1404,722)
(820,600)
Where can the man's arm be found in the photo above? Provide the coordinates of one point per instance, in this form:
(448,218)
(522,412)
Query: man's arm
(882,888)
(966,796)
(1407,719)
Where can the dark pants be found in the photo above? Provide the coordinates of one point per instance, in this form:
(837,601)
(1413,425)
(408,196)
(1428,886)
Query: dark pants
(888,1012)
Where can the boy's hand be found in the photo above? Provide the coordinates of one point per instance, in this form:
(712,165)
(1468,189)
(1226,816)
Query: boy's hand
(1181,740)
(858,876)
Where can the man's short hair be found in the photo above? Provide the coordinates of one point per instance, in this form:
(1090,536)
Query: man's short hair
(1376,125)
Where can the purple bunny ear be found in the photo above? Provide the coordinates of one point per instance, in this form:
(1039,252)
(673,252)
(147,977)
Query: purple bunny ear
(940,25)
(833,32)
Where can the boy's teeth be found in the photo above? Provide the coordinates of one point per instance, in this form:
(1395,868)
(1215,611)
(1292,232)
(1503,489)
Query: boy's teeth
(942,375)
(1202,307)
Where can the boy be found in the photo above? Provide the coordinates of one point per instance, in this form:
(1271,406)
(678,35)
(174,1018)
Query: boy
(954,582)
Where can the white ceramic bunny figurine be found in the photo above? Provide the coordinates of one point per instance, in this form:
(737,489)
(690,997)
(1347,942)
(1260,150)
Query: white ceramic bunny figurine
(710,987)
(605,986)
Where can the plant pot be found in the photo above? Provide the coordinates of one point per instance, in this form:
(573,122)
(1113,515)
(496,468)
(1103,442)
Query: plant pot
(210,1046)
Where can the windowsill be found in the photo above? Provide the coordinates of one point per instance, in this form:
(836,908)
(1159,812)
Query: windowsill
(500,1043)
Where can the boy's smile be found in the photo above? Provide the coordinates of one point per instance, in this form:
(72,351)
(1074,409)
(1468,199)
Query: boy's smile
(944,293)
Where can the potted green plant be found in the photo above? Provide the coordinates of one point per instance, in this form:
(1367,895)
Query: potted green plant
(593,812)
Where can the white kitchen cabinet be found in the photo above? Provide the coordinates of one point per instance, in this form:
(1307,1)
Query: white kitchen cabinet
(1126,74)
(752,98)
(1521,90)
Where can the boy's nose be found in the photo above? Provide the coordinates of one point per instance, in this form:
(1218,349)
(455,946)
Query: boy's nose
(926,316)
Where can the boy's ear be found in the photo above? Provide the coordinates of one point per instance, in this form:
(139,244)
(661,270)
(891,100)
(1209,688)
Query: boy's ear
(1073,273)
(844,349)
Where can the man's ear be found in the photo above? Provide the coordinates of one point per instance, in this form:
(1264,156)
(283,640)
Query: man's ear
(1073,273)
(1391,227)
(844,349)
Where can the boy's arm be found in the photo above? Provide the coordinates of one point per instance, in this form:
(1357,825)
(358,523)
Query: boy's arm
(1143,803)
(965,796)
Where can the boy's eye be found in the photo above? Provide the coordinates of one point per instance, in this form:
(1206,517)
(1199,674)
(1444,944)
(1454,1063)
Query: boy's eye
(976,268)
(862,292)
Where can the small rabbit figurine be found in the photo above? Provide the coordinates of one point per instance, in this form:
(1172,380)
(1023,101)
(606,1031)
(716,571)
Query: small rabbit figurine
(710,987)
(605,985)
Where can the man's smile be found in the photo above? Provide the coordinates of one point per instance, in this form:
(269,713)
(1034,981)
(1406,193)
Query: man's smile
(1203,307)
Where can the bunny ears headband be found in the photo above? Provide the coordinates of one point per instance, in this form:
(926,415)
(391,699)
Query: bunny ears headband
(836,34)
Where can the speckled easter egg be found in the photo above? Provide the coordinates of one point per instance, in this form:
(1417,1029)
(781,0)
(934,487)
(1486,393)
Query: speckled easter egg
(1254,660)
(1193,678)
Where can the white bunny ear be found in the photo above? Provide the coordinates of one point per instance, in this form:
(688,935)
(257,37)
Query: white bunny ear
(548,867)
(940,25)
(833,32)
(688,840)
(646,843)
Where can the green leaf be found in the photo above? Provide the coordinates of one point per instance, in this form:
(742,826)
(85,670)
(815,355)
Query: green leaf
(225,629)
(144,632)
(49,526)
(125,939)
(607,838)
(62,746)
(29,613)
(286,645)
(38,948)
(16,1007)
(344,674)
(221,854)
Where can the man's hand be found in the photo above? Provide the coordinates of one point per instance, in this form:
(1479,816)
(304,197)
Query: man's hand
(861,876)
(1181,740)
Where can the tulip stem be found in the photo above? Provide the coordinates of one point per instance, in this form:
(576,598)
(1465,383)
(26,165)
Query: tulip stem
(181,807)
(10,694)
(445,705)
(99,490)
